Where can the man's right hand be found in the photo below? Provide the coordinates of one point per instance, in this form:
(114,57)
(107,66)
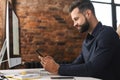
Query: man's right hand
(49,64)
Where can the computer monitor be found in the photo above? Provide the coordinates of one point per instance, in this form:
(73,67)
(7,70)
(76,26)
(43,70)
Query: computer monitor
(11,43)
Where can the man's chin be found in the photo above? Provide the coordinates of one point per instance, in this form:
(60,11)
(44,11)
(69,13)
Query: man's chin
(81,31)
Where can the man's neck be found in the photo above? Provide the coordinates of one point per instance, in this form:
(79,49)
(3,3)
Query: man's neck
(93,24)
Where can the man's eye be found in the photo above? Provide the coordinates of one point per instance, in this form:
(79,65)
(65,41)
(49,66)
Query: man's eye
(76,19)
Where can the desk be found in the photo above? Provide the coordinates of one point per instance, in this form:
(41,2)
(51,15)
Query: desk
(43,75)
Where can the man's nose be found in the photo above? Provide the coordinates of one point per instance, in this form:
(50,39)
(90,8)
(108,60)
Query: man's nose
(75,24)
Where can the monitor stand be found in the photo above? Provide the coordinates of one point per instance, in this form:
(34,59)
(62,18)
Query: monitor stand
(11,61)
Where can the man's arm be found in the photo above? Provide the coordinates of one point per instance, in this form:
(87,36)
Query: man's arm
(79,59)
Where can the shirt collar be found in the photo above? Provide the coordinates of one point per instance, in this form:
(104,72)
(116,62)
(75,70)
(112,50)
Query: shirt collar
(97,29)
(95,32)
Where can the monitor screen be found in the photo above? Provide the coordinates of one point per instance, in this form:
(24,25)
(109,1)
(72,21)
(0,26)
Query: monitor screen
(12,36)
(3,54)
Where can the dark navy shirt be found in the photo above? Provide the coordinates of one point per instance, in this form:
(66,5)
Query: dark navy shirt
(99,57)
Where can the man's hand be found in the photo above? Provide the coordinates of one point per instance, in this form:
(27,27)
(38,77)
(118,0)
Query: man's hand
(49,64)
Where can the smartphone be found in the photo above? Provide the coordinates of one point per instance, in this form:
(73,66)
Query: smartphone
(39,53)
(63,77)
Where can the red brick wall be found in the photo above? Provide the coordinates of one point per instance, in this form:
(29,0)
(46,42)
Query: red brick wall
(47,25)
(2,21)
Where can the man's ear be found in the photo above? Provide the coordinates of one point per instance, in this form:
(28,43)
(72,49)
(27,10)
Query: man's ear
(88,13)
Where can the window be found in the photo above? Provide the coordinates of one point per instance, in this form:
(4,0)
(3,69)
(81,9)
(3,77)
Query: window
(107,11)
(103,13)
(108,1)
(118,15)
(117,1)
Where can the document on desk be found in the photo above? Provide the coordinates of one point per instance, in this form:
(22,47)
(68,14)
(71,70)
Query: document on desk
(23,77)
(27,74)
(38,74)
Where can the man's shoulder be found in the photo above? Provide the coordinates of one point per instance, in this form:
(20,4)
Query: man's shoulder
(107,33)
(107,30)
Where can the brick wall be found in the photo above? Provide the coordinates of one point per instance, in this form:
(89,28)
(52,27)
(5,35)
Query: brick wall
(2,21)
(47,25)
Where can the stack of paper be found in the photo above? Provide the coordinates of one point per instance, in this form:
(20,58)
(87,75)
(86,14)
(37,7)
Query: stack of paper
(23,77)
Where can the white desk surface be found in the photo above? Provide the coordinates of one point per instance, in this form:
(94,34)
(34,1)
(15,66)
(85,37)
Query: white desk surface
(44,75)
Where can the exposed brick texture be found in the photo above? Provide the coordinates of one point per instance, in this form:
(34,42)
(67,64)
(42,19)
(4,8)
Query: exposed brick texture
(2,21)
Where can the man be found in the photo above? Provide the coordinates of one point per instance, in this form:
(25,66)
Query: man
(100,50)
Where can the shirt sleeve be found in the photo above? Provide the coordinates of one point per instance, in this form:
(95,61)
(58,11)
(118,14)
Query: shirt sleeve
(79,59)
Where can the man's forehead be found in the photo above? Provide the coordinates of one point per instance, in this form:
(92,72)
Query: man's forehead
(75,10)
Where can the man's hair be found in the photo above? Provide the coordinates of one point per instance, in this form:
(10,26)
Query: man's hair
(82,5)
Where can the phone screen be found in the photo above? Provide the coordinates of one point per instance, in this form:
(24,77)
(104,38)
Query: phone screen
(39,53)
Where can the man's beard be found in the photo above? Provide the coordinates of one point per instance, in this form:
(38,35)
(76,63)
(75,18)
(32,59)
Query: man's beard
(85,26)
